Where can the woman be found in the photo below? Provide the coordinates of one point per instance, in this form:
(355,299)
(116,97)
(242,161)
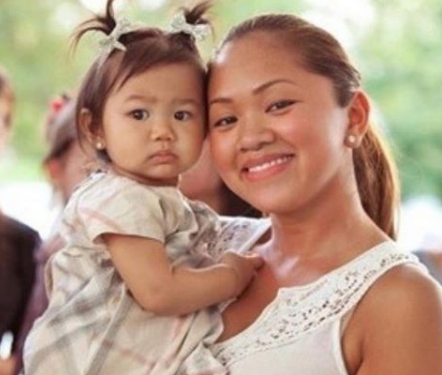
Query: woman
(290,134)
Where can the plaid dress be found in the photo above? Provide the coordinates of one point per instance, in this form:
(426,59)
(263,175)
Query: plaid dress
(93,325)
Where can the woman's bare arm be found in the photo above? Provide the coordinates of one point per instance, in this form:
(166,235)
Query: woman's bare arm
(403,325)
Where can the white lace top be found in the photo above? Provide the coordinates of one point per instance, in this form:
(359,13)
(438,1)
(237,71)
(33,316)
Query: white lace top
(299,332)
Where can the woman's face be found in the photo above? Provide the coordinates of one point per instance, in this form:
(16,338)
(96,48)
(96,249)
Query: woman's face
(202,180)
(276,130)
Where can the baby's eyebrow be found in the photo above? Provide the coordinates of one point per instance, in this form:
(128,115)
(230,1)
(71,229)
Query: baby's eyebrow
(187,101)
(143,98)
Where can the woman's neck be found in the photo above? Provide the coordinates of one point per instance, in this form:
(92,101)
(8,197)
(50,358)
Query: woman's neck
(335,224)
(299,253)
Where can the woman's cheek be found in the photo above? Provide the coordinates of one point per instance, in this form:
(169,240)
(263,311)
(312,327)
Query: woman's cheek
(222,149)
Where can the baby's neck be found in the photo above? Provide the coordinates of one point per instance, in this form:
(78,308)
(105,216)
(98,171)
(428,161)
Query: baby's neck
(169,182)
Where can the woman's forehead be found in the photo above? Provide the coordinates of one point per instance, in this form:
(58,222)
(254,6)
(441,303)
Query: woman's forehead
(257,50)
(255,43)
(250,60)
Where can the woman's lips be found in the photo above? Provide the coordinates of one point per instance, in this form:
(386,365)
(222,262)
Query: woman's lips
(266,166)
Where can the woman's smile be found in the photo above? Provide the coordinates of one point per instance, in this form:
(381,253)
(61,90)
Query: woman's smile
(266,166)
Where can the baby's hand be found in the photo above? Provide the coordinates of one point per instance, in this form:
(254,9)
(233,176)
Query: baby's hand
(244,267)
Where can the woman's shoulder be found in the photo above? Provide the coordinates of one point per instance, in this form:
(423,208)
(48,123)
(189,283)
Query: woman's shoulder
(405,288)
(399,322)
(393,279)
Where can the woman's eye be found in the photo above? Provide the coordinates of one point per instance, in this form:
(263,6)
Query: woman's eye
(225,121)
(140,114)
(281,104)
(182,115)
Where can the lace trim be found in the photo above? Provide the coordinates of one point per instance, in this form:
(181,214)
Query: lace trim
(237,234)
(299,311)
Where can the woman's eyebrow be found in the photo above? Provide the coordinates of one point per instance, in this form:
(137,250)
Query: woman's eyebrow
(273,82)
(220,101)
(256,90)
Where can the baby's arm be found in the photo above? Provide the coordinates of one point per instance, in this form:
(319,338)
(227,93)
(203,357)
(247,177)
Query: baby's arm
(165,290)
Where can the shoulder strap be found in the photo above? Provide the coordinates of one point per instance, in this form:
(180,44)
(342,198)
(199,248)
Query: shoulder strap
(336,293)
(298,311)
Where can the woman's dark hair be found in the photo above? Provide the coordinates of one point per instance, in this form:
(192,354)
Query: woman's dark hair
(233,205)
(145,47)
(322,54)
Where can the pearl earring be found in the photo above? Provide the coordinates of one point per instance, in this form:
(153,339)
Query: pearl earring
(99,145)
(351,139)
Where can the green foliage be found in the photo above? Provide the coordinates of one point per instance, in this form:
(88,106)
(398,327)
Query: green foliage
(401,61)
(400,56)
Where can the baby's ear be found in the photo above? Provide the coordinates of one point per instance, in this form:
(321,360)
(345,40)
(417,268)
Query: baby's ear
(86,126)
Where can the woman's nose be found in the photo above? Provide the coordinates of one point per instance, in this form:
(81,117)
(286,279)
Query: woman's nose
(254,134)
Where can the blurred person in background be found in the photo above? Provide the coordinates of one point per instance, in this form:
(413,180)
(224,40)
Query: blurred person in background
(66,164)
(17,245)
(432,258)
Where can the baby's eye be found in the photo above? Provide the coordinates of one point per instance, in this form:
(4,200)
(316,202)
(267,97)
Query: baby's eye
(140,114)
(280,104)
(182,115)
(224,121)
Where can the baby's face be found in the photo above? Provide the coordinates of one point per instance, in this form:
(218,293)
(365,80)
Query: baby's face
(154,125)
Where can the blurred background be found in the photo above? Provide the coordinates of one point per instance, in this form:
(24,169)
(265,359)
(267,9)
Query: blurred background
(397,46)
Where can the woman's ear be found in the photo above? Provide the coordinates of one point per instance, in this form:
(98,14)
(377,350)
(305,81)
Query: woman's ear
(93,136)
(358,115)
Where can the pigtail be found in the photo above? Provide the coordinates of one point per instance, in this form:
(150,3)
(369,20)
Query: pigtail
(195,17)
(197,14)
(101,23)
(139,48)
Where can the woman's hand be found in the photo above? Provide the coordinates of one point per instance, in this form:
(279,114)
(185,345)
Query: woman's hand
(244,266)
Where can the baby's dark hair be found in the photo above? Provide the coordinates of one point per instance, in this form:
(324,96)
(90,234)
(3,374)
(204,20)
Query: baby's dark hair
(145,47)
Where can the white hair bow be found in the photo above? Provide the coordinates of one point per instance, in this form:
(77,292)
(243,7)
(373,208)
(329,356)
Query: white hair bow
(180,25)
(111,41)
